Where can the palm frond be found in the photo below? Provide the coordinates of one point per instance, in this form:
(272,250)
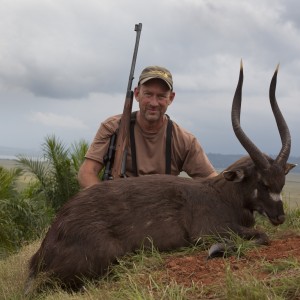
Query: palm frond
(8,179)
(37,167)
(78,151)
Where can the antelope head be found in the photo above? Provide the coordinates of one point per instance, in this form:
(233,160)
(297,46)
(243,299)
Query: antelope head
(269,173)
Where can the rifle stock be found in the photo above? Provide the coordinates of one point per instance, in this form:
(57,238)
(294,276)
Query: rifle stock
(122,140)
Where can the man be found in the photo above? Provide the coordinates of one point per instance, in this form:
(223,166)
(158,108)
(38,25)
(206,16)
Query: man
(152,149)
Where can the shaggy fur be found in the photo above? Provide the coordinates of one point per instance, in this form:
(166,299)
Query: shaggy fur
(113,218)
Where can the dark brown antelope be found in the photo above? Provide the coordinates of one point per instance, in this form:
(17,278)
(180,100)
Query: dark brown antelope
(113,218)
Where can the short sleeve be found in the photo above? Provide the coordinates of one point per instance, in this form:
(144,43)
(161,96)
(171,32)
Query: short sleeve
(100,144)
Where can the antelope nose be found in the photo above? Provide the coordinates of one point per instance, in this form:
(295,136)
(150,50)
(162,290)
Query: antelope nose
(281,219)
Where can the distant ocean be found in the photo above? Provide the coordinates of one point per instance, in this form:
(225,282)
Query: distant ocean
(12,153)
(8,157)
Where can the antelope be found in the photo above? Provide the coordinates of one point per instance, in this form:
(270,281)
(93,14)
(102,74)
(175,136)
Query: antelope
(102,223)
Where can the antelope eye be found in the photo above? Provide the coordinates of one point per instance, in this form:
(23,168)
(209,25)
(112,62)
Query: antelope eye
(264,186)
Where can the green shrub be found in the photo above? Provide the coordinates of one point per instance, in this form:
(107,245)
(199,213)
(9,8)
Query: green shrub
(22,218)
(57,170)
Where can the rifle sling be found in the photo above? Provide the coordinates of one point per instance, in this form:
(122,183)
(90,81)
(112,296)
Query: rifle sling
(132,143)
(168,144)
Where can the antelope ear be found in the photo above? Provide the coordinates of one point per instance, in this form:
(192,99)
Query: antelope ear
(234,175)
(289,167)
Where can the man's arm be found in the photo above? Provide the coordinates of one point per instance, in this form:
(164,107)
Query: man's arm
(88,173)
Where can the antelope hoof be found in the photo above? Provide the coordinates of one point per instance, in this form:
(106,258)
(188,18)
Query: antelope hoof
(221,250)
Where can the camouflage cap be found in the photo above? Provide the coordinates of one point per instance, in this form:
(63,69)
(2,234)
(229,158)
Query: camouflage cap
(152,72)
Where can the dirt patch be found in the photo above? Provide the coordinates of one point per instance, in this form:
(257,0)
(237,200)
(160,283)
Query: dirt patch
(196,268)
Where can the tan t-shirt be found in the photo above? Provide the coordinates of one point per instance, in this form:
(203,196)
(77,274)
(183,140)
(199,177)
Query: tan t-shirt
(187,154)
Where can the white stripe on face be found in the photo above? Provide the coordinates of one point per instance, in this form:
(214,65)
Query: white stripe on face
(276,197)
(254,195)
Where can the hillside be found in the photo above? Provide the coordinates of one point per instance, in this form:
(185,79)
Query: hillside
(221,161)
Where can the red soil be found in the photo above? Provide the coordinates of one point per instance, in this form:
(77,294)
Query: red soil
(196,268)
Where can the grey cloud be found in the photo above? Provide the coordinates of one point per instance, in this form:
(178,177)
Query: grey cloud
(73,58)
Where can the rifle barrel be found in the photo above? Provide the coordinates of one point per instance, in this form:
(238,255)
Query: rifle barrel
(122,141)
(138,29)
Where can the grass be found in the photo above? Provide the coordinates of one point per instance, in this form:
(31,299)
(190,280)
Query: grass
(137,276)
(283,283)
(13,272)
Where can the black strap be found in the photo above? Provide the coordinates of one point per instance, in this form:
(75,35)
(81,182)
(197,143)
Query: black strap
(168,144)
(132,143)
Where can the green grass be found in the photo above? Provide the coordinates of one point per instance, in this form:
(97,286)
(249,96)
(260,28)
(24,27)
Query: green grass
(138,276)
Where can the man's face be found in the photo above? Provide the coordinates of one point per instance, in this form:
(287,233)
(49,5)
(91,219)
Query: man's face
(154,97)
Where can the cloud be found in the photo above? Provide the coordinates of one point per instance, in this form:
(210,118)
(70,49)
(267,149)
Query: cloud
(65,64)
(58,121)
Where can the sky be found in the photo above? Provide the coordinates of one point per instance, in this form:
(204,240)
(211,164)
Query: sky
(64,67)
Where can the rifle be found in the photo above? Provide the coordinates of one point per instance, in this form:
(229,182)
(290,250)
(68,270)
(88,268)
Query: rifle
(115,159)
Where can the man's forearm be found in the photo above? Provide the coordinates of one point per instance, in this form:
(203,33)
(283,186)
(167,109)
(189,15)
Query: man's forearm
(88,173)
(88,180)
